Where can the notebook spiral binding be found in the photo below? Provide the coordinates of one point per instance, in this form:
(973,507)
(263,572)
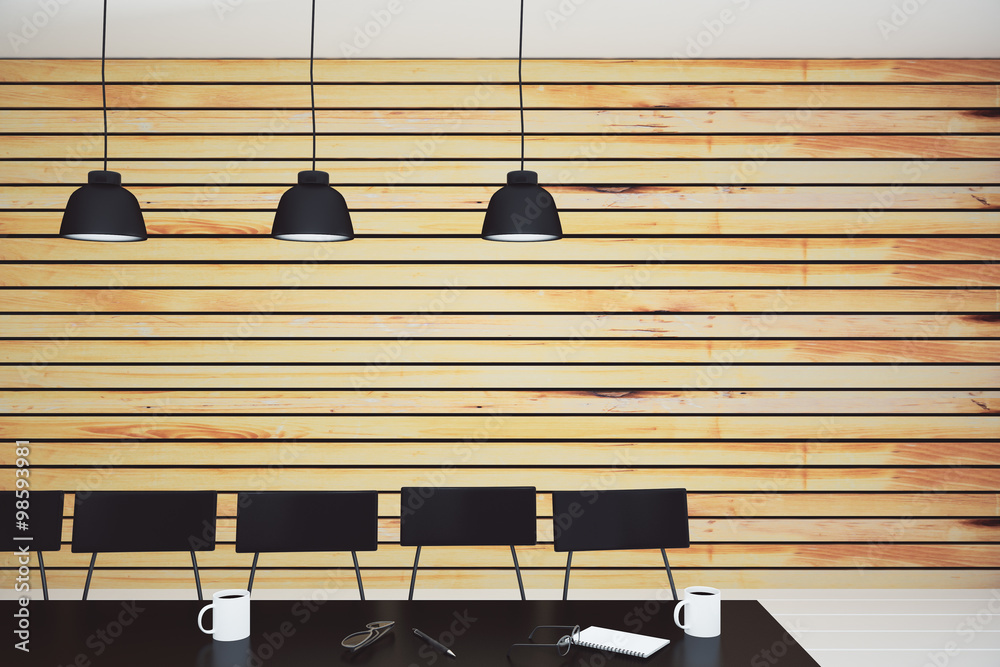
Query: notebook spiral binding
(612,649)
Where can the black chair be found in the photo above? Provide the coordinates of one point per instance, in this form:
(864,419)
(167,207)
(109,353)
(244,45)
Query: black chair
(132,521)
(620,519)
(44,511)
(467,516)
(284,521)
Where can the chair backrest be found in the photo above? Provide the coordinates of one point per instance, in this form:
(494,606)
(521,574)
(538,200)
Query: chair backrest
(467,516)
(108,521)
(44,511)
(620,519)
(277,521)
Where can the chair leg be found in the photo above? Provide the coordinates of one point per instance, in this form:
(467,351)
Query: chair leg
(517,568)
(670,574)
(357,572)
(253,571)
(569,561)
(90,573)
(197,579)
(413,577)
(41,569)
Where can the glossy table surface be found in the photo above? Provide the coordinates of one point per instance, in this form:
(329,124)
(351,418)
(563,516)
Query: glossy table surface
(304,633)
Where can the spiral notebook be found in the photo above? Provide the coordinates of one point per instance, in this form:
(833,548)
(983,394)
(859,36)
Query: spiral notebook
(617,641)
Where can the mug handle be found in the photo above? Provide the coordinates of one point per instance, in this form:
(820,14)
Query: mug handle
(200,615)
(677,615)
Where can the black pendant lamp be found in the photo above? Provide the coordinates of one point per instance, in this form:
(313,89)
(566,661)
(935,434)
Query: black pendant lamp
(312,210)
(102,210)
(522,210)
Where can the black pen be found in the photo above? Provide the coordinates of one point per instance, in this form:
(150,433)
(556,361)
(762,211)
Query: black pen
(436,644)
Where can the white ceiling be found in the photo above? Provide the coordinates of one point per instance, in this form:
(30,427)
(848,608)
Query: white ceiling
(488,29)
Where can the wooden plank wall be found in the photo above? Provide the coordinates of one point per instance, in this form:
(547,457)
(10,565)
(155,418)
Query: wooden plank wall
(778,288)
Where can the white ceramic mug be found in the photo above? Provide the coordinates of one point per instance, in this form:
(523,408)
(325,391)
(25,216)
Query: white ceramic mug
(231,618)
(704,611)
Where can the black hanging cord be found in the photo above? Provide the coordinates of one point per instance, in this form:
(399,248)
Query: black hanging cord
(520,85)
(312,85)
(104,94)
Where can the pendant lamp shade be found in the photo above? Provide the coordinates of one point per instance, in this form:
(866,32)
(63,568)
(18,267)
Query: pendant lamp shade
(522,210)
(102,210)
(312,211)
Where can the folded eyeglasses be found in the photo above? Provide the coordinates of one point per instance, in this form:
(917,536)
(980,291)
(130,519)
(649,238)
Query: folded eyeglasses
(562,645)
(358,640)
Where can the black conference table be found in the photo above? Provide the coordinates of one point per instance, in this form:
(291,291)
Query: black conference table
(150,633)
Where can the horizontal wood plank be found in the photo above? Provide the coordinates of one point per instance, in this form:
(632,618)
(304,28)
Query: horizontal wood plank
(501,121)
(35,354)
(808,452)
(623,276)
(567,197)
(715,172)
(411,151)
(602,250)
(613,70)
(571,328)
(287,478)
(470,401)
(621,222)
(724,374)
(465,70)
(459,300)
(477,428)
(151,94)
